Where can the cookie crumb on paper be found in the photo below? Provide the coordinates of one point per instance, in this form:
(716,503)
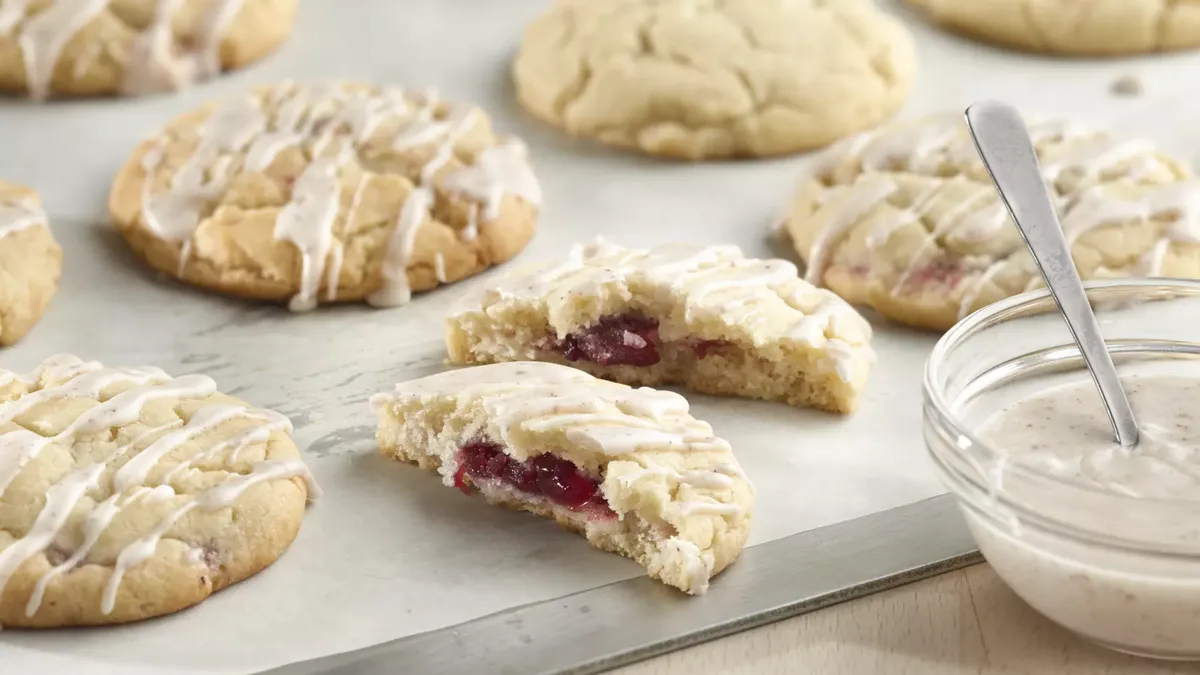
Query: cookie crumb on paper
(1127,86)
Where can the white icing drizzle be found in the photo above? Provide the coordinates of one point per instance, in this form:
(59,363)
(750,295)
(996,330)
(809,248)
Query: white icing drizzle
(1178,201)
(395,290)
(1096,155)
(613,420)
(860,199)
(19,213)
(471,231)
(976,288)
(715,283)
(439,267)
(708,508)
(217,497)
(307,222)
(498,170)
(333,121)
(155,62)
(65,377)
(923,148)
(61,500)
(96,522)
(43,36)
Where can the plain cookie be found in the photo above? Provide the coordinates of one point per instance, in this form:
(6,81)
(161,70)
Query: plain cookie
(707,317)
(700,79)
(30,262)
(99,47)
(325,192)
(1091,27)
(630,469)
(906,219)
(127,494)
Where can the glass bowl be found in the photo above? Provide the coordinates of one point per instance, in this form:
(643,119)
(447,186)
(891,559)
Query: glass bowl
(1120,571)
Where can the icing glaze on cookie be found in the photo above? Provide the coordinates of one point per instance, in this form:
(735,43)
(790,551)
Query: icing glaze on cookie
(19,213)
(609,418)
(331,122)
(1178,203)
(156,62)
(126,479)
(601,417)
(661,488)
(940,151)
(766,295)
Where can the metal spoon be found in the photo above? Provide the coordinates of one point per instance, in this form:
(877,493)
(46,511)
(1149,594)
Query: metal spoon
(1007,150)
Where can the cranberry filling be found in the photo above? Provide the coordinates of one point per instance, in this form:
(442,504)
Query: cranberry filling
(627,340)
(940,272)
(559,480)
(624,340)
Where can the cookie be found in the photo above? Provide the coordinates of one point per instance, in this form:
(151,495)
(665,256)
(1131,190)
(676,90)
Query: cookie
(630,469)
(30,262)
(127,494)
(1099,28)
(709,318)
(703,79)
(134,47)
(906,220)
(316,193)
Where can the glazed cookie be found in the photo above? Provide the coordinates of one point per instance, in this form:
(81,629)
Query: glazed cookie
(630,469)
(127,494)
(1097,27)
(699,79)
(327,193)
(98,47)
(30,262)
(907,221)
(709,318)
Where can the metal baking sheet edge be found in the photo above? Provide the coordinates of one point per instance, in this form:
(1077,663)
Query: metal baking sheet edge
(628,621)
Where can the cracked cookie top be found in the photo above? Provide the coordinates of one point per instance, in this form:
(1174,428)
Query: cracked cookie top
(126,493)
(30,262)
(906,220)
(702,79)
(95,47)
(325,192)
(1101,27)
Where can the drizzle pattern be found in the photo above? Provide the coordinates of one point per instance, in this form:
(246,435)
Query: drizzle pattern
(89,444)
(346,135)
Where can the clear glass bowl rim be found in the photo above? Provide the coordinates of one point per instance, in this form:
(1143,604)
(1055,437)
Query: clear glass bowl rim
(935,397)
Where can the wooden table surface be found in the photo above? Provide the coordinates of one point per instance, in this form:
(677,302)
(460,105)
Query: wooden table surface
(965,621)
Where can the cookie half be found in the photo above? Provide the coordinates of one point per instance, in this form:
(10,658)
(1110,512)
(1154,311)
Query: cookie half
(322,192)
(30,262)
(127,494)
(629,469)
(906,220)
(133,47)
(711,79)
(709,318)
(1098,27)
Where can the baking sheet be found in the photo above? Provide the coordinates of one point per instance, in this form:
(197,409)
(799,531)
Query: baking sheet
(389,551)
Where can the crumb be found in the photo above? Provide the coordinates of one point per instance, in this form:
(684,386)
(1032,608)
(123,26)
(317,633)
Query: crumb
(1129,86)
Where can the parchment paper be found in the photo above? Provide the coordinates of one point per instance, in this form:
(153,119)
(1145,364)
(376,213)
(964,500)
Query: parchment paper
(389,551)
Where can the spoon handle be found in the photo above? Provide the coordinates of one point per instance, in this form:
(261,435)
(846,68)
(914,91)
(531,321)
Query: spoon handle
(1007,151)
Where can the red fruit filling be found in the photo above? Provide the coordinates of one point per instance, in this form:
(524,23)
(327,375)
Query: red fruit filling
(555,478)
(624,340)
(628,340)
(940,272)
